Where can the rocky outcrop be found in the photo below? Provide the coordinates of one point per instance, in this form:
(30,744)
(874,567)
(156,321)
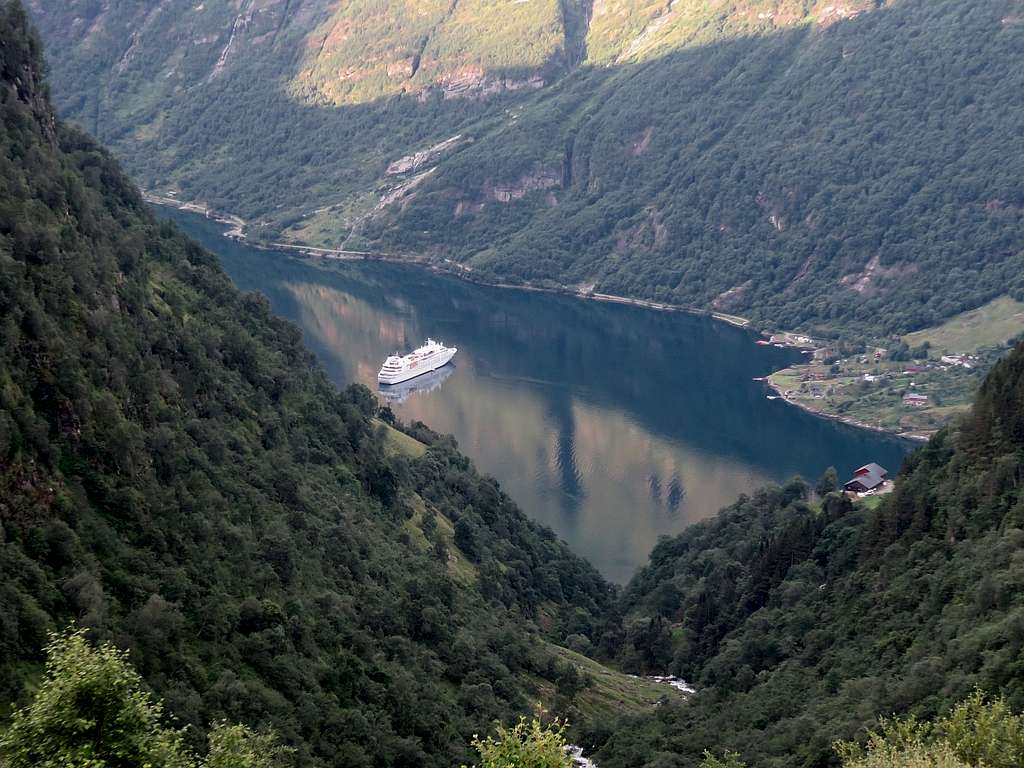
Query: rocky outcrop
(642,142)
(255,20)
(424,157)
(473,82)
(869,280)
(402,193)
(731,298)
(465,208)
(650,232)
(21,73)
(538,179)
(649,33)
(773,209)
(831,13)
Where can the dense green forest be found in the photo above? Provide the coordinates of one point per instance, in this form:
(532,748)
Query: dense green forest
(178,476)
(801,619)
(852,167)
(88,689)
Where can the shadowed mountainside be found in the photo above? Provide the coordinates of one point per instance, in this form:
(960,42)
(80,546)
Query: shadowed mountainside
(805,164)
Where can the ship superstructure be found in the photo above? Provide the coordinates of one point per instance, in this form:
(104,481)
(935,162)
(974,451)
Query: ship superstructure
(431,356)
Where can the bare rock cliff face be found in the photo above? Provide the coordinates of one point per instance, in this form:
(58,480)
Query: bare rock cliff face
(538,179)
(22,81)
(424,157)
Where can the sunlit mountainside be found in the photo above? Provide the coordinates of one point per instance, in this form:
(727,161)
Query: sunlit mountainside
(459,48)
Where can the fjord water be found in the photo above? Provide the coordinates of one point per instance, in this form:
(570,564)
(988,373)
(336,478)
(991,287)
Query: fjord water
(612,424)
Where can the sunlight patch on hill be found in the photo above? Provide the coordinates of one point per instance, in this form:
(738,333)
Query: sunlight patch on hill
(993,324)
(369,49)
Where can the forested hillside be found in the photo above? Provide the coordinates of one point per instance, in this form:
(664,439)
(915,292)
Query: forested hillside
(178,475)
(862,175)
(801,620)
(271,108)
(813,165)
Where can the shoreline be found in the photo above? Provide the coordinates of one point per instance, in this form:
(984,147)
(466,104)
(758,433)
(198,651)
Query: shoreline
(849,421)
(449,267)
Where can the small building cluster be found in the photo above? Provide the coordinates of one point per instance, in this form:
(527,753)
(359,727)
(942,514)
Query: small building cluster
(915,399)
(965,361)
(871,478)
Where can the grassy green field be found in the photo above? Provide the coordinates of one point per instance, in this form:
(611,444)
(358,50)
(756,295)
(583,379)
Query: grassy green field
(459,566)
(609,694)
(613,693)
(879,402)
(401,444)
(871,502)
(995,323)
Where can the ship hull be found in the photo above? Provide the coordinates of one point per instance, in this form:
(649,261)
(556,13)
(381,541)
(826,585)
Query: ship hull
(427,366)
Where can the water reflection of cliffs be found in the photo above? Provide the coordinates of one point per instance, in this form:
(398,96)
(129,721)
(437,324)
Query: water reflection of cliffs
(610,423)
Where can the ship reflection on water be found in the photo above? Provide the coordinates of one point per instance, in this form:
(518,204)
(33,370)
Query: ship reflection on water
(428,382)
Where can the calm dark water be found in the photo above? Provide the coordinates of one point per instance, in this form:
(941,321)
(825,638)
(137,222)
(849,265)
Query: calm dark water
(612,424)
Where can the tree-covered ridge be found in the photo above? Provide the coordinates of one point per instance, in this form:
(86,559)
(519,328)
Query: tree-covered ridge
(800,619)
(178,475)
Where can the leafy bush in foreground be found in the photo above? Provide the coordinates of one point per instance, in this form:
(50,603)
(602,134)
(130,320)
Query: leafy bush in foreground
(976,733)
(528,744)
(93,711)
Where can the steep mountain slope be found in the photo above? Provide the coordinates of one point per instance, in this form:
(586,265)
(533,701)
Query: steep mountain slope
(864,174)
(177,474)
(801,622)
(849,165)
(274,108)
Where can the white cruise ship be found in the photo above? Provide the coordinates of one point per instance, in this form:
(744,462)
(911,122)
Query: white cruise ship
(431,356)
